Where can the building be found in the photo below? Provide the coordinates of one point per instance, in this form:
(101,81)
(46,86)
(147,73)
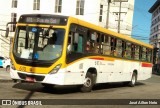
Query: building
(155,24)
(115,15)
(121,16)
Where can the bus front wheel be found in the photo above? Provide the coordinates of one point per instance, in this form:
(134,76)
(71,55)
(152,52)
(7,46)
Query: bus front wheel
(88,83)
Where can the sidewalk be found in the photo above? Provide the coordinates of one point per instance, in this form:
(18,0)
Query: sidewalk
(4,75)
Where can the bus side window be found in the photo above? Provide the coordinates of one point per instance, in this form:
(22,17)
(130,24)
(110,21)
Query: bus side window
(88,42)
(119,48)
(70,42)
(77,43)
(97,44)
(147,52)
(80,44)
(136,52)
(143,53)
(140,53)
(128,50)
(106,49)
(133,51)
(92,44)
(149,55)
(123,48)
(113,46)
(72,45)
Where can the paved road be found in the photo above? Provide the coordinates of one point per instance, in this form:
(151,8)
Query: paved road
(4,75)
(149,89)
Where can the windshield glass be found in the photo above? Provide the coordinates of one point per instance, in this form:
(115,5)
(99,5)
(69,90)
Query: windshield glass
(37,43)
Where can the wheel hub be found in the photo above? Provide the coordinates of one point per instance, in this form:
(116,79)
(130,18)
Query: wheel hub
(87,82)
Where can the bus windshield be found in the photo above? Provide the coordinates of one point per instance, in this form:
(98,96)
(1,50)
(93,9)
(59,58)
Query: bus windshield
(38,43)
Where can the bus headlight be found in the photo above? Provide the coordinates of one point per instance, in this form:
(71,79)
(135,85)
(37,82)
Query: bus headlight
(55,69)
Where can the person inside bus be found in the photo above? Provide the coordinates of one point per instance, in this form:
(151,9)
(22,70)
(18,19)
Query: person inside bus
(51,42)
(93,44)
(88,46)
(51,50)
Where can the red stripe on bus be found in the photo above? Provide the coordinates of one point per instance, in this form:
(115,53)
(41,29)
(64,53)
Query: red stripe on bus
(96,58)
(146,65)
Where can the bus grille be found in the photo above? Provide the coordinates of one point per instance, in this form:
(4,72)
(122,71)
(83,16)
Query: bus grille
(37,77)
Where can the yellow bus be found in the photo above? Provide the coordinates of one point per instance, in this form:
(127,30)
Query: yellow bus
(63,50)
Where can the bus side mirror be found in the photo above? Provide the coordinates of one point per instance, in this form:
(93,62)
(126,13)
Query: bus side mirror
(7,32)
(7,28)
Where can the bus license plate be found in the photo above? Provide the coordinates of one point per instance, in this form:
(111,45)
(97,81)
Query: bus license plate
(30,79)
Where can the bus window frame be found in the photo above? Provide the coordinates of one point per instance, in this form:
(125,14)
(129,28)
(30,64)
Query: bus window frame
(81,30)
(106,44)
(101,36)
(119,46)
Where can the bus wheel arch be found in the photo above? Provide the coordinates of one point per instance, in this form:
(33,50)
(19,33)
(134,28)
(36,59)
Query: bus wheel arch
(93,71)
(89,81)
(136,72)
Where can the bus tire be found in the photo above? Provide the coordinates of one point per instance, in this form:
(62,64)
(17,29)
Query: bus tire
(8,68)
(133,80)
(88,83)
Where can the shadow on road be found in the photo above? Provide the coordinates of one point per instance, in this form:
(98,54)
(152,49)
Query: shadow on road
(114,85)
(36,87)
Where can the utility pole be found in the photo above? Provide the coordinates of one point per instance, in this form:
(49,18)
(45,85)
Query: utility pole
(108,10)
(119,13)
(119,19)
(119,22)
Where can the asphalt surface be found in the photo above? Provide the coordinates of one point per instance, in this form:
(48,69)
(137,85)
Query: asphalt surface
(146,89)
(4,75)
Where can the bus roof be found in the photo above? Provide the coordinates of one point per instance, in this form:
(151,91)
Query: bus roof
(109,32)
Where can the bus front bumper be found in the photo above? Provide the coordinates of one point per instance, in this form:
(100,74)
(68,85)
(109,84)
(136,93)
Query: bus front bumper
(57,79)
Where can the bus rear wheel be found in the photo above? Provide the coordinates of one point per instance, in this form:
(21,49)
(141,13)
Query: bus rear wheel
(133,80)
(88,83)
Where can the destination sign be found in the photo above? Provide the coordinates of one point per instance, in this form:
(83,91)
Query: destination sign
(42,19)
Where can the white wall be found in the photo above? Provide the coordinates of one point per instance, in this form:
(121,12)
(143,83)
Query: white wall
(91,12)
(5,12)
(126,23)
